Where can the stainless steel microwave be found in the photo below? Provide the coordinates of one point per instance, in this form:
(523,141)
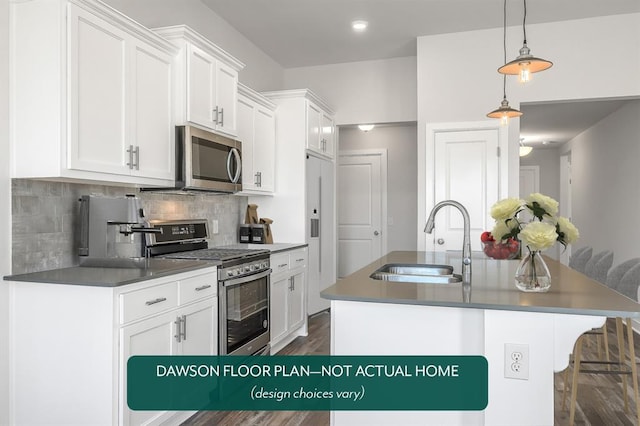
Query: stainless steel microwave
(207,161)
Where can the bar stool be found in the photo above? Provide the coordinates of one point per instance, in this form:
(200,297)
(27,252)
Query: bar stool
(628,285)
(580,258)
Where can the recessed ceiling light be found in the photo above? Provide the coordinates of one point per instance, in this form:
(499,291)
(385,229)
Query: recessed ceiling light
(365,127)
(359,26)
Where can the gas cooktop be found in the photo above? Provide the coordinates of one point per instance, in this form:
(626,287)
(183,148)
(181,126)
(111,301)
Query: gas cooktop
(222,254)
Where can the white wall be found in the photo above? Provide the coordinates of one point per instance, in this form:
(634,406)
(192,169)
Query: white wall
(457,79)
(604,189)
(400,143)
(381,91)
(260,73)
(5,211)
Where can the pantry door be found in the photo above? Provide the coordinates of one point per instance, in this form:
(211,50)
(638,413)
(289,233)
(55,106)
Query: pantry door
(362,208)
(466,169)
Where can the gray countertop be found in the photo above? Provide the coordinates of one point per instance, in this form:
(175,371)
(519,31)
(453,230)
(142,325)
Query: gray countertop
(112,275)
(492,287)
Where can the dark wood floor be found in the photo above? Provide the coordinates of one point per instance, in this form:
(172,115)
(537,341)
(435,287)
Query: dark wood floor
(600,401)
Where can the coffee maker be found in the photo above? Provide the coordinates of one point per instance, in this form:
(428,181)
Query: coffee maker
(111,227)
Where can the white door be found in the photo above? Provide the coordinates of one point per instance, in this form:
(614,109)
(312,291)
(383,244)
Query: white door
(529,183)
(361,207)
(467,171)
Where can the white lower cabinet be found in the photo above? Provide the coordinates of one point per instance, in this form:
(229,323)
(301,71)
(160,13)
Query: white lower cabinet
(187,331)
(288,312)
(71,343)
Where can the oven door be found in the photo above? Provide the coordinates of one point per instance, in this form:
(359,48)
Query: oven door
(244,314)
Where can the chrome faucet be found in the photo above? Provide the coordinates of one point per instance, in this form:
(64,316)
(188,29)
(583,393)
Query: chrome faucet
(466,243)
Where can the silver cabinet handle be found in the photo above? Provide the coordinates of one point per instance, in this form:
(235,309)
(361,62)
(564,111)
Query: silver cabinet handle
(203,287)
(282,265)
(130,152)
(178,335)
(290,283)
(154,301)
(184,327)
(136,153)
(181,328)
(221,117)
(440,241)
(300,260)
(215,118)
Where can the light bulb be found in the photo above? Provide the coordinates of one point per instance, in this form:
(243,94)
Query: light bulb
(504,120)
(525,73)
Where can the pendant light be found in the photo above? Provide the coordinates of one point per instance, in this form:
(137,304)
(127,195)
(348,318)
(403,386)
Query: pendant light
(524,150)
(525,64)
(504,112)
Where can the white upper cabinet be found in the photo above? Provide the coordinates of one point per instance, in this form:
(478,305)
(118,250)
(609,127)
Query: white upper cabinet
(318,119)
(257,133)
(320,130)
(206,81)
(99,86)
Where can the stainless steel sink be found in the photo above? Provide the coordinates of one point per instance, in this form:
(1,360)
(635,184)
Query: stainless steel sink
(417,273)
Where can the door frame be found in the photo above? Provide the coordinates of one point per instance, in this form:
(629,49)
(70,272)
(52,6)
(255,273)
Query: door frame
(426,168)
(382,153)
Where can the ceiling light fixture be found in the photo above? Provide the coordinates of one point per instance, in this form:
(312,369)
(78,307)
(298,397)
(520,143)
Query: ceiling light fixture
(359,26)
(504,112)
(524,150)
(525,64)
(365,127)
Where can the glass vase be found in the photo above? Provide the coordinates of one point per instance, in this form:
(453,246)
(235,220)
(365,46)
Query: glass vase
(532,274)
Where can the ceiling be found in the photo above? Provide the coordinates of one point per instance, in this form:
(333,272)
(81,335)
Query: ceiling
(298,33)
(550,125)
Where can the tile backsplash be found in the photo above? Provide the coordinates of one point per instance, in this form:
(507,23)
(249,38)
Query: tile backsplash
(45,218)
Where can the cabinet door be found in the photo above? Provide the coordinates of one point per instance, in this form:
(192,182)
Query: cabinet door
(201,87)
(296,300)
(278,307)
(264,149)
(97,72)
(151,122)
(245,135)
(200,328)
(327,139)
(226,98)
(155,336)
(313,127)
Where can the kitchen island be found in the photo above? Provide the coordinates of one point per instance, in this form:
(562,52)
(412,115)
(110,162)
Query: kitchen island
(376,317)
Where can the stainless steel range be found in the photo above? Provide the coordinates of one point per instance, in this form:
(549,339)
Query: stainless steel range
(243,282)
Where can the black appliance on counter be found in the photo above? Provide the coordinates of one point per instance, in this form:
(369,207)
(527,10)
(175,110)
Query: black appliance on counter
(243,282)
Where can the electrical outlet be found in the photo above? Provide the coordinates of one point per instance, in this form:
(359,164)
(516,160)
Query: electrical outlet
(214,224)
(516,361)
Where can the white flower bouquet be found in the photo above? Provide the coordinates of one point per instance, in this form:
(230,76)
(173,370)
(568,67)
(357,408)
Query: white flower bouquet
(537,234)
(542,231)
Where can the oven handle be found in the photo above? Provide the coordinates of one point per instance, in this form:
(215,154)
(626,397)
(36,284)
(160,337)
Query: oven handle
(246,279)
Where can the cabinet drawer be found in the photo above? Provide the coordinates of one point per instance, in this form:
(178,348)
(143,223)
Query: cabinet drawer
(198,287)
(280,262)
(298,259)
(149,301)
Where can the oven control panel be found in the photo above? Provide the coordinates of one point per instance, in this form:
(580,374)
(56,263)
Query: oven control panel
(243,269)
